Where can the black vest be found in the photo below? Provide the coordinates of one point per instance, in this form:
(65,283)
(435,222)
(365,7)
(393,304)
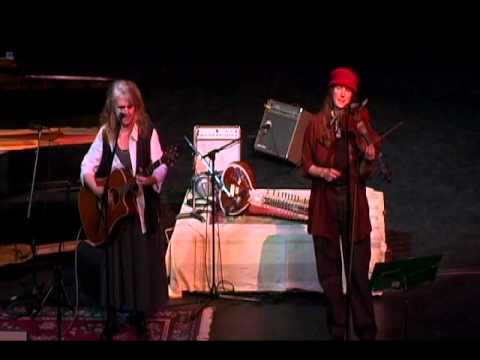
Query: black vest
(152,200)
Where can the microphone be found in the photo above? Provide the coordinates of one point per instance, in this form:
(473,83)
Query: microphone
(120,116)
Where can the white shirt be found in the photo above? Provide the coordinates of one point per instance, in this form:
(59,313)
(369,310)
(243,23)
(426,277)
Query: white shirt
(92,158)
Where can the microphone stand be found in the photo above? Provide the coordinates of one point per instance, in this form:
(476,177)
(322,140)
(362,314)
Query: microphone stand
(351,219)
(57,285)
(29,219)
(109,328)
(35,295)
(211,172)
(58,288)
(349,238)
(213,180)
(350,223)
(211,155)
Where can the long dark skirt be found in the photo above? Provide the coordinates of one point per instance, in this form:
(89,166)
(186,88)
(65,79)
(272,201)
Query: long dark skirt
(136,269)
(137,276)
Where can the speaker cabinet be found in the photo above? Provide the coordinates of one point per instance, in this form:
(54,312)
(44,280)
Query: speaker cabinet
(207,138)
(281,131)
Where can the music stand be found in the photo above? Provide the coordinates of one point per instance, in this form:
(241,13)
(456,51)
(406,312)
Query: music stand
(404,275)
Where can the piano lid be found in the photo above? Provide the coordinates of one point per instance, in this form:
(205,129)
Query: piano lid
(23,139)
(14,77)
(50,97)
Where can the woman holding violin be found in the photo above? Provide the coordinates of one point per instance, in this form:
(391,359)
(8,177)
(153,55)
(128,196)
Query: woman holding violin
(338,208)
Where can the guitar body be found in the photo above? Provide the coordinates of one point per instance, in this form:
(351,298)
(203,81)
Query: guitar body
(121,203)
(122,189)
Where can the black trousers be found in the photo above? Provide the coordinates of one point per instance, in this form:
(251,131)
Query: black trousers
(329,270)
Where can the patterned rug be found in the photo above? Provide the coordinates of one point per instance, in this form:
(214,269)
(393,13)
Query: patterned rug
(183,323)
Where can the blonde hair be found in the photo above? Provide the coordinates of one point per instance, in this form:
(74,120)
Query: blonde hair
(129,90)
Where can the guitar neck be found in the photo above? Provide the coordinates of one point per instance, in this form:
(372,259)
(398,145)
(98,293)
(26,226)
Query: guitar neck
(167,159)
(153,166)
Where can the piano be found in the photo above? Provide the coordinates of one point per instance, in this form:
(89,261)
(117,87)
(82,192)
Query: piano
(56,114)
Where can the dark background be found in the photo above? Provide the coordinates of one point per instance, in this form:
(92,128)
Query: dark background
(428,79)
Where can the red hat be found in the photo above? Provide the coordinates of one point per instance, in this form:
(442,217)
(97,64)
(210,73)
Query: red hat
(344,76)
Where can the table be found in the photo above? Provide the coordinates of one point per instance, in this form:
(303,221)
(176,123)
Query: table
(253,253)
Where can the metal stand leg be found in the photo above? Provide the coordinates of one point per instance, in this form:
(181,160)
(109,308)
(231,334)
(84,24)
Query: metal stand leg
(62,300)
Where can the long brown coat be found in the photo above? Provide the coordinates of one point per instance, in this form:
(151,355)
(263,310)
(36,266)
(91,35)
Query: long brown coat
(322,208)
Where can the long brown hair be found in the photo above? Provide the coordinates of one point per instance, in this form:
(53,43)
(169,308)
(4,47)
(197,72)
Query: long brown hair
(124,88)
(326,132)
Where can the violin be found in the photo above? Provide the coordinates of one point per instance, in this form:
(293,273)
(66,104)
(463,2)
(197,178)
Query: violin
(359,125)
(365,136)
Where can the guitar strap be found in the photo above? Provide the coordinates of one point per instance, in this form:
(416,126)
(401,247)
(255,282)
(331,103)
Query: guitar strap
(152,200)
(106,151)
(152,206)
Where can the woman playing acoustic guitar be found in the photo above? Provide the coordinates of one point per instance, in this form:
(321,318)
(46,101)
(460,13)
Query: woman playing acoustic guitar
(135,251)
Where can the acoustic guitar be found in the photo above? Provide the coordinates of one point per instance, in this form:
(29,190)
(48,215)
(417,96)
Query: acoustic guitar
(122,189)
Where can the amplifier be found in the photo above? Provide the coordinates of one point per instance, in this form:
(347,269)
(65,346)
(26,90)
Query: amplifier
(281,131)
(217,132)
(207,138)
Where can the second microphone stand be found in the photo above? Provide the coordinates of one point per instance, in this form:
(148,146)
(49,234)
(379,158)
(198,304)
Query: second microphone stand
(32,300)
(110,324)
(214,179)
